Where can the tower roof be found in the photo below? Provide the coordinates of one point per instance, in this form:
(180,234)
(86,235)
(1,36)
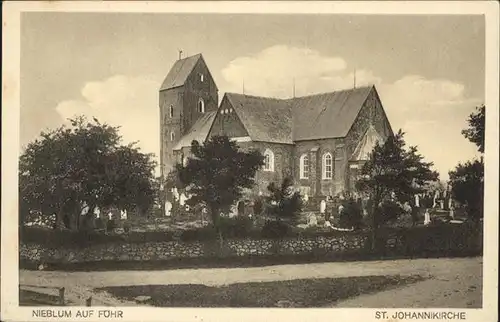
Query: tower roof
(179,73)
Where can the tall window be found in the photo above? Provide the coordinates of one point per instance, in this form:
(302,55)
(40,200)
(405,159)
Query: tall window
(268,160)
(304,166)
(327,166)
(201,78)
(172,136)
(171,111)
(201,106)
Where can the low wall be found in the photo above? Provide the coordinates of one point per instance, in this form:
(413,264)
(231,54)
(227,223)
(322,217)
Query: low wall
(178,249)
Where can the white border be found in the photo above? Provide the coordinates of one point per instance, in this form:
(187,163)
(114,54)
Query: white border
(10,146)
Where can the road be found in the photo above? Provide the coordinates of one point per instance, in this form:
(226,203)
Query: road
(452,282)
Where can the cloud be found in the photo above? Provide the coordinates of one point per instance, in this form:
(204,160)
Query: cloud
(271,71)
(128,102)
(432,112)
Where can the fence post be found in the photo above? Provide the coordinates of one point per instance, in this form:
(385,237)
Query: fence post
(61,296)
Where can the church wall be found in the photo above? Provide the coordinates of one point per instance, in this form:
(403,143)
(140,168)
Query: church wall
(315,184)
(169,97)
(196,89)
(227,124)
(283,163)
(372,112)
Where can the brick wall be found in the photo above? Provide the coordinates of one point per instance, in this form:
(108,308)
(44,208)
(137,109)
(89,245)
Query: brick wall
(283,163)
(315,150)
(185,100)
(170,97)
(228,124)
(372,112)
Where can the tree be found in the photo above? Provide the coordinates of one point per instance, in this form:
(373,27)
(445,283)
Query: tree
(467,179)
(83,165)
(467,187)
(475,132)
(216,175)
(392,173)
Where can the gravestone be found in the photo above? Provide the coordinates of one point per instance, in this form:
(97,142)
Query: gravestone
(427,217)
(312,220)
(322,207)
(168,209)
(182,199)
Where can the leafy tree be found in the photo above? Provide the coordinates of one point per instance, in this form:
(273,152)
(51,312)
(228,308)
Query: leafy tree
(467,187)
(392,174)
(467,179)
(283,203)
(216,175)
(83,165)
(283,206)
(475,132)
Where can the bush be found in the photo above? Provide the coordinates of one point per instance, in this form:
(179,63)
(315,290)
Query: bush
(275,229)
(236,227)
(111,225)
(99,224)
(390,211)
(200,234)
(258,206)
(352,215)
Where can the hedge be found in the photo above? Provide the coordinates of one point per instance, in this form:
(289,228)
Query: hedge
(412,240)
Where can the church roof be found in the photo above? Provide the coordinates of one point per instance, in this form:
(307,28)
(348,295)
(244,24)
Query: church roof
(199,131)
(320,116)
(366,145)
(179,73)
(265,119)
(328,115)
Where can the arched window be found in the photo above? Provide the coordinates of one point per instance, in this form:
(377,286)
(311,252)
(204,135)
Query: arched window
(171,111)
(201,78)
(327,166)
(304,166)
(268,160)
(201,106)
(172,136)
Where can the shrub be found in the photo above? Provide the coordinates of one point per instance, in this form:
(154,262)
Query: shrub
(352,215)
(258,206)
(111,225)
(126,227)
(199,234)
(235,227)
(390,211)
(275,229)
(284,203)
(99,224)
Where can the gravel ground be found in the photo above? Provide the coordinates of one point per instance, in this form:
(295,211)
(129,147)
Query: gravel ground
(454,282)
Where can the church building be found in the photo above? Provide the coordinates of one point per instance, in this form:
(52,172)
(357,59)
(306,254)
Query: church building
(320,140)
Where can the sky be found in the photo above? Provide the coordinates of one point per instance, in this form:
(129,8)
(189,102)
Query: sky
(429,70)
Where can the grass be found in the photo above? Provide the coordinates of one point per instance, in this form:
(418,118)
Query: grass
(32,298)
(293,293)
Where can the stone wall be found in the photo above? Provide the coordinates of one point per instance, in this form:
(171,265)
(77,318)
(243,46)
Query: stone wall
(179,249)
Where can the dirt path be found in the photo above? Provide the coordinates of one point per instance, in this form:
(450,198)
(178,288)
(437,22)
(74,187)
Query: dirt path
(454,282)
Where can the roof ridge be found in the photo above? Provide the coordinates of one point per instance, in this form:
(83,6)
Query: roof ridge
(332,92)
(256,96)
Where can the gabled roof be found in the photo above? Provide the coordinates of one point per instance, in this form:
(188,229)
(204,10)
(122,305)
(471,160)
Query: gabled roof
(179,73)
(328,115)
(366,145)
(265,119)
(198,132)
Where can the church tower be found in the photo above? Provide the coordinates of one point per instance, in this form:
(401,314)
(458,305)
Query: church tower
(186,94)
